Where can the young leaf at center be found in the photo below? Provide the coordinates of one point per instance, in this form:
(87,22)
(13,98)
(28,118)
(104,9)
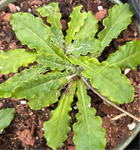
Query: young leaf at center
(89,28)
(83,46)
(77,21)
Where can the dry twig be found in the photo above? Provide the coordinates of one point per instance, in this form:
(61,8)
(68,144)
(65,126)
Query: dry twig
(103,98)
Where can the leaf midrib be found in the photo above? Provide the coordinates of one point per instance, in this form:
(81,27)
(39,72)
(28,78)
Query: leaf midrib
(61,114)
(85,112)
(17,58)
(30,30)
(124,59)
(36,87)
(71,29)
(110,30)
(102,77)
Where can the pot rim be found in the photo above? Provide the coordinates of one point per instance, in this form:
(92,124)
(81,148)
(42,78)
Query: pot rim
(4,3)
(129,139)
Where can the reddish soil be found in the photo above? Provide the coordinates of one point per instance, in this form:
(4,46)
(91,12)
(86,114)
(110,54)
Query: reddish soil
(26,129)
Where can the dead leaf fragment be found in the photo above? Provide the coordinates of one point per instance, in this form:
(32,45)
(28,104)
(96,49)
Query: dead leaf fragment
(1,105)
(1,75)
(26,137)
(71,147)
(12,8)
(101,14)
(12,45)
(64,24)
(36,2)
(6,17)
(108,110)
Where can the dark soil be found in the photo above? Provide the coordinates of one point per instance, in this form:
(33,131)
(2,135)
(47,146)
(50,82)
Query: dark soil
(26,129)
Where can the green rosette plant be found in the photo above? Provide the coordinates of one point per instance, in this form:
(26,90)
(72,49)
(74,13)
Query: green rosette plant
(71,60)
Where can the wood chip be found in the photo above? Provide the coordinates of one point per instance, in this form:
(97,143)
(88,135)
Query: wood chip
(101,14)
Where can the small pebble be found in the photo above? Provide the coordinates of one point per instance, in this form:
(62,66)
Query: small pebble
(18,8)
(89,105)
(31,113)
(100,7)
(75,107)
(126,71)
(131,126)
(23,102)
(43,109)
(29,9)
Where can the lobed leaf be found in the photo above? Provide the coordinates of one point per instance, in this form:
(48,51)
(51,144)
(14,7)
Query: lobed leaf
(44,100)
(51,11)
(57,128)
(36,87)
(89,29)
(31,31)
(54,62)
(119,18)
(83,46)
(107,79)
(76,22)
(6,116)
(7,87)
(11,60)
(128,56)
(88,132)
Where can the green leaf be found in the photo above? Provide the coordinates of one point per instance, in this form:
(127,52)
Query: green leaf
(88,132)
(76,22)
(51,11)
(31,31)
(57,128)
(36,87)
(6,116)
(107,79)
(11,60)
(7,87)
(83,46)
(44,100)
(89,29)
(54,62)
(128,56)
(119,18)
(57,37)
